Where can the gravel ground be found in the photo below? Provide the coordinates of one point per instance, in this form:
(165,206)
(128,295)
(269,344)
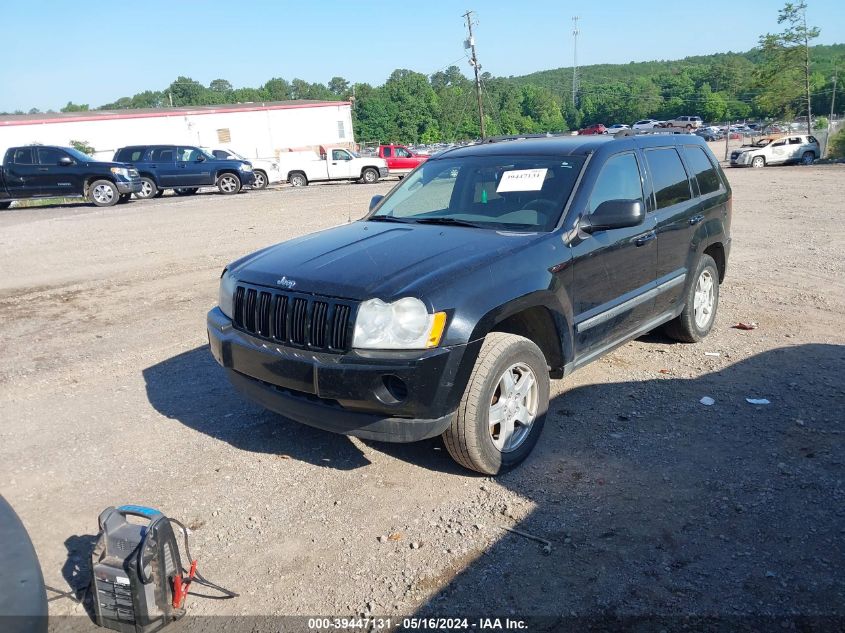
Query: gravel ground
(652,502)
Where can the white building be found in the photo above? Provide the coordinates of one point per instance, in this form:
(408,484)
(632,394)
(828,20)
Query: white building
(255,130)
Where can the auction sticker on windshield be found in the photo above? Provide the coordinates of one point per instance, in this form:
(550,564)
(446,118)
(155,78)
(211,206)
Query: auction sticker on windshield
(522,180)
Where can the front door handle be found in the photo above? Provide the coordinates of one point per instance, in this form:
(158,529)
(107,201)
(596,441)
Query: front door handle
(43,169)
(696,219)
(642,240)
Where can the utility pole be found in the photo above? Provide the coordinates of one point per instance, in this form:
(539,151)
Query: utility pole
(470,44)
(830,119)
(575,61)
(807,69)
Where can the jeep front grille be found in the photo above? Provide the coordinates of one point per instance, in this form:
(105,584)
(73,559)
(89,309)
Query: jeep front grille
(294,319)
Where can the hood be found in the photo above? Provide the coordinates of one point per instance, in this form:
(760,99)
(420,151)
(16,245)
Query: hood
(364,260)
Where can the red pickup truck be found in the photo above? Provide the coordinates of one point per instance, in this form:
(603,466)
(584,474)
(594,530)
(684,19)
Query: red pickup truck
(400,160)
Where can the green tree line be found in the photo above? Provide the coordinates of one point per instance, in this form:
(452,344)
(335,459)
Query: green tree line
(412,107)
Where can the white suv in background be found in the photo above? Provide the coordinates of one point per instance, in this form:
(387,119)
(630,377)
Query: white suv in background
(793,148)
(266,171)
(689,122)
(645,124)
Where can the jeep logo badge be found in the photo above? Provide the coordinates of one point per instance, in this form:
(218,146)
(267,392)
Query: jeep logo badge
(286,283)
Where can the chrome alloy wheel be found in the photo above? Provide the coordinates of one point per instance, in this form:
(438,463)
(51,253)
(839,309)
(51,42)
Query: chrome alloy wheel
(229,184)
(103,194)
(146,189)
(705,297)
(513,407)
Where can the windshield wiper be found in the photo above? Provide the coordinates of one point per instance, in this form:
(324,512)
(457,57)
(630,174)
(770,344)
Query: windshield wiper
(452,221)
(387,218)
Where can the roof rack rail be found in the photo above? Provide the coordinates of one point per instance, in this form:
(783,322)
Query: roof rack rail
(660,130)
(517,137)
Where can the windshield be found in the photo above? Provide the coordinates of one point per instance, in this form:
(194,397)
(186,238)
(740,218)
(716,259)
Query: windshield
(522,193)
(80,156)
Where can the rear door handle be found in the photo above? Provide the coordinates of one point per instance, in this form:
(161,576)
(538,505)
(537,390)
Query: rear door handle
(43,169)
(642,240)
(696,219)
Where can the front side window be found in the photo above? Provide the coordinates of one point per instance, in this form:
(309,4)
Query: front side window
(190,154)
(671,183)
(519,193)
(339,154)
(401,152)
(619,179)
(49,156)
(702,169)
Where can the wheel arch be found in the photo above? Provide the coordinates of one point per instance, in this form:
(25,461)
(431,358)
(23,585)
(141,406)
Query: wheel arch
(536,318)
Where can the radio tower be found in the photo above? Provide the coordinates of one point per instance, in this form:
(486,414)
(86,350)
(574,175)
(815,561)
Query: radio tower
(575,61)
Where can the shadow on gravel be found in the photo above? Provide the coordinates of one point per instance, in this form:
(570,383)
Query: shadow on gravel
(77,570)
(193,389)
(664,509)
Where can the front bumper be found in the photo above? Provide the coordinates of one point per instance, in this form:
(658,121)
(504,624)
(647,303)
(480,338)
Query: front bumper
(129,186)
(354,393)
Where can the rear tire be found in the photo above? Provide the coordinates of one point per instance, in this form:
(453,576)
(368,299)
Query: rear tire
(700,305)
(808,158)
(148,189)
(297,179)
(228,184)
(260,180)
(103,193)
(472,440)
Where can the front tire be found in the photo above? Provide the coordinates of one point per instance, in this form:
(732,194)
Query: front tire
(103,193)
(148,189)
(758,162)
(502,412)
(186,191)
(369,176)
(700,305)
(260,180)
(228,184)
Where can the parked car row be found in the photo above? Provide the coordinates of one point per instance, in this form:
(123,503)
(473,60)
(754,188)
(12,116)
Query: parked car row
(147,171)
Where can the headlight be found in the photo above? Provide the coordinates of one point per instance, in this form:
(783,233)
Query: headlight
(120,171)
(403,324)
(246,167)
(226,294)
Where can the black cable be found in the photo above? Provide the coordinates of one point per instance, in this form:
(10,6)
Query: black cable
(199,578)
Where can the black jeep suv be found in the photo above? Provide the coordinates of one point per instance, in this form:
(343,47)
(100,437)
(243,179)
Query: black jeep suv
(184,168)
(487,271)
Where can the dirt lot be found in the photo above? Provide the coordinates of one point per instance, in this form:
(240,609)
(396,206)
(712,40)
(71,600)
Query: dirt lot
(653,502)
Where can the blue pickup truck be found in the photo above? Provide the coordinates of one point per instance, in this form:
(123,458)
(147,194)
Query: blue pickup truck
(184,168)
(46,171)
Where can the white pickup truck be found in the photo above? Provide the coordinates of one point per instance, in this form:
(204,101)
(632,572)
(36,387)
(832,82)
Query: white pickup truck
(301,168)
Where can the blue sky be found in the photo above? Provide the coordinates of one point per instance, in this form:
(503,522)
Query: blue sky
(94,51)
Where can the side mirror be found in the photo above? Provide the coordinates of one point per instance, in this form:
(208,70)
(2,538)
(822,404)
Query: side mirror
(614,214)
(200,158)
(64,161)
(375,200)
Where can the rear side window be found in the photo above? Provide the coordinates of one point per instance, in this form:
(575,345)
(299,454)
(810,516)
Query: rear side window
(671,183)
(387,152)
(24,156)
(164,153)
(619,180)
(49,156)
(702,169)
(130,155)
